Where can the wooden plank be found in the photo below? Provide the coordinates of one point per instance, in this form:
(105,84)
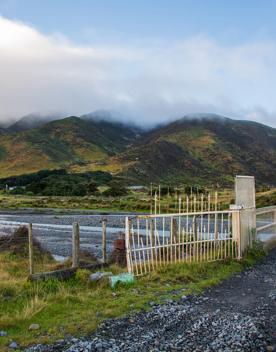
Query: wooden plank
(64,273)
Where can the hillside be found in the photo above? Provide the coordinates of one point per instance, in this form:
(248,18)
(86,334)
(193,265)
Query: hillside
(70,142)
(211,150)
(190,150)
(31,121)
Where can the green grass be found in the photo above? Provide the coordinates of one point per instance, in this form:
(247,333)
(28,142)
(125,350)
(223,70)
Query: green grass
(77,307)
(134,202)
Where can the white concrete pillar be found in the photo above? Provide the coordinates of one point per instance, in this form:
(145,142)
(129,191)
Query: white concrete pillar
(245,197)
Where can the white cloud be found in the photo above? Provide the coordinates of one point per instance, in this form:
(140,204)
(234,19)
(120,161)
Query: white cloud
(147,83)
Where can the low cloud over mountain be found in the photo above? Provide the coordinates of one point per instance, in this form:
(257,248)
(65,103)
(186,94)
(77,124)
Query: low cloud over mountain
(147,83)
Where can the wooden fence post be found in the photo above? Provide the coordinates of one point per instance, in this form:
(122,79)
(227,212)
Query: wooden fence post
(31,249)
(104,221)
(274,220)
(75,245)
(128,252)
(152,240)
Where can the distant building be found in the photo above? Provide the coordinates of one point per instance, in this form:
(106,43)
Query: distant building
(138,188)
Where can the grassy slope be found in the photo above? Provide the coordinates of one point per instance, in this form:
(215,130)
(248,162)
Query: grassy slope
(204,151)
(77,307)
(70,142)
(186,151)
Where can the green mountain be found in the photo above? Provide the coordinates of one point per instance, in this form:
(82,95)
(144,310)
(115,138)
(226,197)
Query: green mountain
(208,150)
(71,143)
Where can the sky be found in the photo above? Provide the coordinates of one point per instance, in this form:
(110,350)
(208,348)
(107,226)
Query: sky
(147,61)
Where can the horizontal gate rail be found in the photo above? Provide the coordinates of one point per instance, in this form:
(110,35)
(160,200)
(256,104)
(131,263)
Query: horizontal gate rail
(268,215)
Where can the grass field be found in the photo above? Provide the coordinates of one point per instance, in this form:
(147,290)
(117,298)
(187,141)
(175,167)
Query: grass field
(77,306)
(134,202)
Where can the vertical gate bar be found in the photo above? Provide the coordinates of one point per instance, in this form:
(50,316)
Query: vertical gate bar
(151,239)
(143,254)
(138,244)
(159,199)
(175,249)
(182,244)
(151,198)
(229,243)
(134,250)
(159,248)
(163,241)
(190,238)
(208,225)
(201,229)
(147,232)
(171,237)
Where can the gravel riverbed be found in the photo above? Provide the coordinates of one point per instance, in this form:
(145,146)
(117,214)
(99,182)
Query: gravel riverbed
(54,231)
(238,315)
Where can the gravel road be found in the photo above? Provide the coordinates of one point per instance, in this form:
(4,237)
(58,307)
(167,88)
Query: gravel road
(238,315)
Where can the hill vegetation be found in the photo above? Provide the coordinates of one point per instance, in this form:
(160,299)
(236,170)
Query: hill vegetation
(202,151)
(66,143)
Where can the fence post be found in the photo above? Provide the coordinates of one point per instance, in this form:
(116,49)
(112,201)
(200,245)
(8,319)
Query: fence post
(128,253)
(236,231)
(31,249)
(246,198)
(274,220)
(104,221)
(75,245)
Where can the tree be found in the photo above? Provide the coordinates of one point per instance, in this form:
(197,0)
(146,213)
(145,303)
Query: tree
(92,187)
(116,190)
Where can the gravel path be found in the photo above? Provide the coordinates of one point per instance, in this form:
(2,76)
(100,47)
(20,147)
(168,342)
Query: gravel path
(238,315)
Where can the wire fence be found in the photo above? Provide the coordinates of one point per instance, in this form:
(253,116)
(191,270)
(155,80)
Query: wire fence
(48,248)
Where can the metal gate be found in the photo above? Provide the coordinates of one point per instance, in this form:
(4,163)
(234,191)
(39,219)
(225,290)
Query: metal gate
(154,241)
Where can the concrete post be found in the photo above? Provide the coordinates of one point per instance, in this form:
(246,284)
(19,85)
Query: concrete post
(245,196)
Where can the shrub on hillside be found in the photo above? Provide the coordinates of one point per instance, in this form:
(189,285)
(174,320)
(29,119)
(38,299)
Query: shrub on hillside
(116,189)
